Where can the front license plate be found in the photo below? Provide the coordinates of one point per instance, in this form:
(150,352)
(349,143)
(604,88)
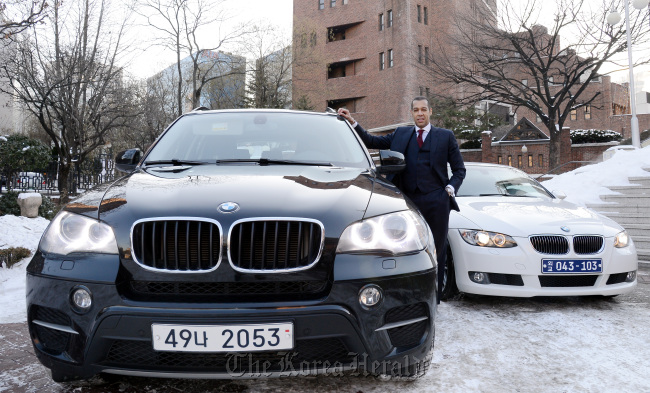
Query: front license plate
(572,266)
(222,338)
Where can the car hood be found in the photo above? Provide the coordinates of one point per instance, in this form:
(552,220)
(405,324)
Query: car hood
(334,196)
(521,217)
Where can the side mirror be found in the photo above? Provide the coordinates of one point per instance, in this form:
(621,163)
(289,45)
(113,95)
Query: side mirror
(390,162)
(559,194)
(127,160)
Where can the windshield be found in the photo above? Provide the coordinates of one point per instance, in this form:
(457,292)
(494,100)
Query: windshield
(492,180)
(229,137)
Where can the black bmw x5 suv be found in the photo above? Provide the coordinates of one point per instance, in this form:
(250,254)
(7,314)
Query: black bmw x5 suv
(243,243)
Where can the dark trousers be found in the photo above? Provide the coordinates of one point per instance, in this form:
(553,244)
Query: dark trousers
(434,206)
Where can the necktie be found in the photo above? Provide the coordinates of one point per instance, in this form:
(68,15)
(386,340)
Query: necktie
(420,140)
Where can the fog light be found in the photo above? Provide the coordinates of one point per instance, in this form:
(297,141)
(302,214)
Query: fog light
(479,277)
(370,295)
(82,299)
(631,276)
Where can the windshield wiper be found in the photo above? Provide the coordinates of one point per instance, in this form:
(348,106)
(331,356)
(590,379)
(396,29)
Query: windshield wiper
(266,161)
(175,162)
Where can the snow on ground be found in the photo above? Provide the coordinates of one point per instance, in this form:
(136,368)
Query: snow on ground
(584,185)
(17,232)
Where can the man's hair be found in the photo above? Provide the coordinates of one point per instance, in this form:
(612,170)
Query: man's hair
(420,98)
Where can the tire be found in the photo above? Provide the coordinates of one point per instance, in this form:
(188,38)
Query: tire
(449,287)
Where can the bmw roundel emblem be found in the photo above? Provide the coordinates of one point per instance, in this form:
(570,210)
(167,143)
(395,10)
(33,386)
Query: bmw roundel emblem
(565,228)
(228,207)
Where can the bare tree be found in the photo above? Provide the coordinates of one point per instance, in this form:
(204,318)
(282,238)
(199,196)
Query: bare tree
(18,15)
(517,61)
(270,73)
(180,24)
(66,75)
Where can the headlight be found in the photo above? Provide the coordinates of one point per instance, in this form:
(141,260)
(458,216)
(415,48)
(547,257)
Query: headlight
(487,239)
(621,240)
(70,233)
(393,233)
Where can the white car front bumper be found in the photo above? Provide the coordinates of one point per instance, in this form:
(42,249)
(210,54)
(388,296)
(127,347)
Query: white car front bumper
(516,271)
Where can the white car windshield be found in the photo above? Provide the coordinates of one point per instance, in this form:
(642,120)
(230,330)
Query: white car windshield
(227,137)
(492,180)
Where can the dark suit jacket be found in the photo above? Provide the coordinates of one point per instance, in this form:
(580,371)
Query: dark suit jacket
(444,149)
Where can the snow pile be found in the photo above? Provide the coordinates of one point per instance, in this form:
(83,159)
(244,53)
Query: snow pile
(584,185)
(17,232)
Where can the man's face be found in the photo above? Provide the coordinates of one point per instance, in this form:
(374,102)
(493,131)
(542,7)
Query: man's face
(421,113)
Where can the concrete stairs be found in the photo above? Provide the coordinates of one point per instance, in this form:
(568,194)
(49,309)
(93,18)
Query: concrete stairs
(631,209)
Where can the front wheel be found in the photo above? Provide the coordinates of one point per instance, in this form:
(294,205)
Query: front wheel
(449,288)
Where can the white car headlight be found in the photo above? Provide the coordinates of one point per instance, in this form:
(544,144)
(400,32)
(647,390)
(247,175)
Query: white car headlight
(621,240)
(70,233)
(487,239)
(393,233)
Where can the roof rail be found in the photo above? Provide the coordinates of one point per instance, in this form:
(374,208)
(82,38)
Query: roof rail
(200,108)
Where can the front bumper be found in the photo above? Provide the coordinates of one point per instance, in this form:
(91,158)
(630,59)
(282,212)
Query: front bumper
(331,335)
(517,271)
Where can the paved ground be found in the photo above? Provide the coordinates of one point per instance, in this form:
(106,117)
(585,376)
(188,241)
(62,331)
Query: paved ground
(20,371)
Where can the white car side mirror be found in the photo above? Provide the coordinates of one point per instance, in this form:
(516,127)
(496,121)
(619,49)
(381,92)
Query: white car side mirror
(559,194)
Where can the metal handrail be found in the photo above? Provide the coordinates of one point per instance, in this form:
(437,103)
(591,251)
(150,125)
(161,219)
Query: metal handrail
(565,164)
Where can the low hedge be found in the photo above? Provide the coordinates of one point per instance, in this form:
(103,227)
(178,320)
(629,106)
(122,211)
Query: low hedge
(13,255)
(594,136)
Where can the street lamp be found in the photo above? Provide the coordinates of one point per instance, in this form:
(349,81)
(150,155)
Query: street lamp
(613,18)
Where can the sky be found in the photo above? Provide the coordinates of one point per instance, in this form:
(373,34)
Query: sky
(151,59)
(607,337)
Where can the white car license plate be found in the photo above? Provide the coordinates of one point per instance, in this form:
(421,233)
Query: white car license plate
(222,338)
(572,266)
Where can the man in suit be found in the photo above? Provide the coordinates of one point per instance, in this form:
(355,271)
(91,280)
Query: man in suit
(425,180)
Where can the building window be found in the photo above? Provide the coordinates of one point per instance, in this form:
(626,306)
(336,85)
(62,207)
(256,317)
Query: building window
(345,2)
(420,55)
(332,3)
(421,91)
(524,82)
(382,64)
(500,160)
(321,4)
(541,160)
(428,91)
(426,16)
(389,22)
(587,112)
(530,160)
(519,161)
(390,58)
(426,55)
(419,14)
(381,22)
(574,114)
(510,160)
(538,119)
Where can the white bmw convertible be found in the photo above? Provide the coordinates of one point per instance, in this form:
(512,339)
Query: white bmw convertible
(512,237)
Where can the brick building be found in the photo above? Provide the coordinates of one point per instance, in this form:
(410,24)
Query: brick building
(526,147)
(368,56)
